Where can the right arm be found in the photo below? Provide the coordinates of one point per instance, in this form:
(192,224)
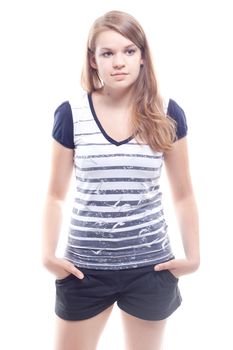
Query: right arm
(61,171)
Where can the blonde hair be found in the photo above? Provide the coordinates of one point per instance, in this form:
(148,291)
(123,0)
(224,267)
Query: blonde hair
(150,122)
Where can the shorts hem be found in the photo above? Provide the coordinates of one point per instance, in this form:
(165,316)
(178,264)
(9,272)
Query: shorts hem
(150,318)
(71,317)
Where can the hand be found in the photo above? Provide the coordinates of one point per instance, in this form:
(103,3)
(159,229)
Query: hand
(62,268)
(178,267)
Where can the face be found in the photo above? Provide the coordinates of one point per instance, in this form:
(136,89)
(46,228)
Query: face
(117,60)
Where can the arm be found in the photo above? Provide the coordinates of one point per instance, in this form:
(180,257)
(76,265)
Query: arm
(61,171)
(177,167)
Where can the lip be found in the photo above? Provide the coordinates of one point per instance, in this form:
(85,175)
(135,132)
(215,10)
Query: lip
(120,73)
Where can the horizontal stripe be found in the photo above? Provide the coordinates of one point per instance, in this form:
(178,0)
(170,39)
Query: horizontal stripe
(110,245)
(88,133)
(81,107)
(118,191)
(118,203)
(107,144)
(93,144)
(117,179)
(104,214)
(120,186)
(121,266)
(118,155)
(118,229)
(114,264)
(145,228)
(115,238)
(123,167)
(100,224)
(148,241)
(125,254)
(98,263)
(126,212)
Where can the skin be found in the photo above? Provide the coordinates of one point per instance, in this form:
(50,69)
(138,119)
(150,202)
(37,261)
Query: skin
(121,56)
(118,61)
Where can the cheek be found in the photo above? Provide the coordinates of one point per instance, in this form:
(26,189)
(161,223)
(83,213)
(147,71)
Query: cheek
(137,69)
(104,67)
(137,64)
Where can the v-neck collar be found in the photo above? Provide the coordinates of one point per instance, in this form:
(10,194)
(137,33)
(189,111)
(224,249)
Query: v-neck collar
(109,138)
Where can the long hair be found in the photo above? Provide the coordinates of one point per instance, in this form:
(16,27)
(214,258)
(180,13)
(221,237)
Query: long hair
(150,122)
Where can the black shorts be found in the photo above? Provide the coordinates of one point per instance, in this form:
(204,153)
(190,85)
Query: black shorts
(141,292)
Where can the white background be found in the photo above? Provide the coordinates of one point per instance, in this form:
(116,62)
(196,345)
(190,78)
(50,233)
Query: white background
(42,49)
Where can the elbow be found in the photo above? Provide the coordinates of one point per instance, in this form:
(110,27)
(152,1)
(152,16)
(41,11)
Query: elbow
(195,263)
(45,261)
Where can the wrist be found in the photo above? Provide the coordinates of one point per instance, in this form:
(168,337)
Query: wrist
(48,260)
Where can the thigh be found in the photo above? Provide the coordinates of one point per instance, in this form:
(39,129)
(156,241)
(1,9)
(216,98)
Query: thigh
(141,334)
(80,335)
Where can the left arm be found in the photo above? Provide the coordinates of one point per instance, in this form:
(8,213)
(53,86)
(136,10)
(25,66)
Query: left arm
(177,167)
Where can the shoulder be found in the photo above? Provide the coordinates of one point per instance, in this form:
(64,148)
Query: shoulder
(63,125)
(67,109)
(64,109)
(176,112)
(79,105)
(76,101)
(66,118)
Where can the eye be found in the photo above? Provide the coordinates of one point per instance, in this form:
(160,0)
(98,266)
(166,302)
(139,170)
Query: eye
(130,52)
(107,54)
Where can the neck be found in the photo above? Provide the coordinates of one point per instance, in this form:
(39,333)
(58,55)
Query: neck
(121,98)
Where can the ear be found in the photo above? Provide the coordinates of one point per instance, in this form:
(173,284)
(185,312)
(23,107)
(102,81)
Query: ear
(92,61)
(141,62)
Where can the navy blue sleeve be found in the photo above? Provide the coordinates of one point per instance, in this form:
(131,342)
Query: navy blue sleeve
(176,112)
(63,127)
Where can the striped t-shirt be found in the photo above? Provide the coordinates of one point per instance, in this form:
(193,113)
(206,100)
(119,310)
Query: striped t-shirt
(117,220)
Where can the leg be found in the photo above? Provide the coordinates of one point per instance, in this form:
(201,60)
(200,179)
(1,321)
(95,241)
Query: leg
(81,335)
(141,334)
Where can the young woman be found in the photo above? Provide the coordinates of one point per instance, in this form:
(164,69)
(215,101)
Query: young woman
(117,136)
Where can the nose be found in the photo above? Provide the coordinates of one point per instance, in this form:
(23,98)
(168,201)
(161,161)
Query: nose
(118,61)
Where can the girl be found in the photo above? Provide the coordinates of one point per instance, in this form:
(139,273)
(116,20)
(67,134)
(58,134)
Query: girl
(117,136)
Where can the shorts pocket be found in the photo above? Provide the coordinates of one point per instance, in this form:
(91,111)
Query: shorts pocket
(171,276)
(65,279)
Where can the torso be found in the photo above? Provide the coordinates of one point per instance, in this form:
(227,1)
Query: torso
(117,219)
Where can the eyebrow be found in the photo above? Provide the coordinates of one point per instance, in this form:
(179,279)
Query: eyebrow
(126,47)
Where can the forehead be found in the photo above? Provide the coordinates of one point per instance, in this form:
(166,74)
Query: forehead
(111,39)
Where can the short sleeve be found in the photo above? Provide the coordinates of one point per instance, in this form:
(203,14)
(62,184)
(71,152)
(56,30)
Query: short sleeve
(176,112)
(63,125)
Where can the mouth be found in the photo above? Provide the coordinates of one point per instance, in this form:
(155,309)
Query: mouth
(119,73)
